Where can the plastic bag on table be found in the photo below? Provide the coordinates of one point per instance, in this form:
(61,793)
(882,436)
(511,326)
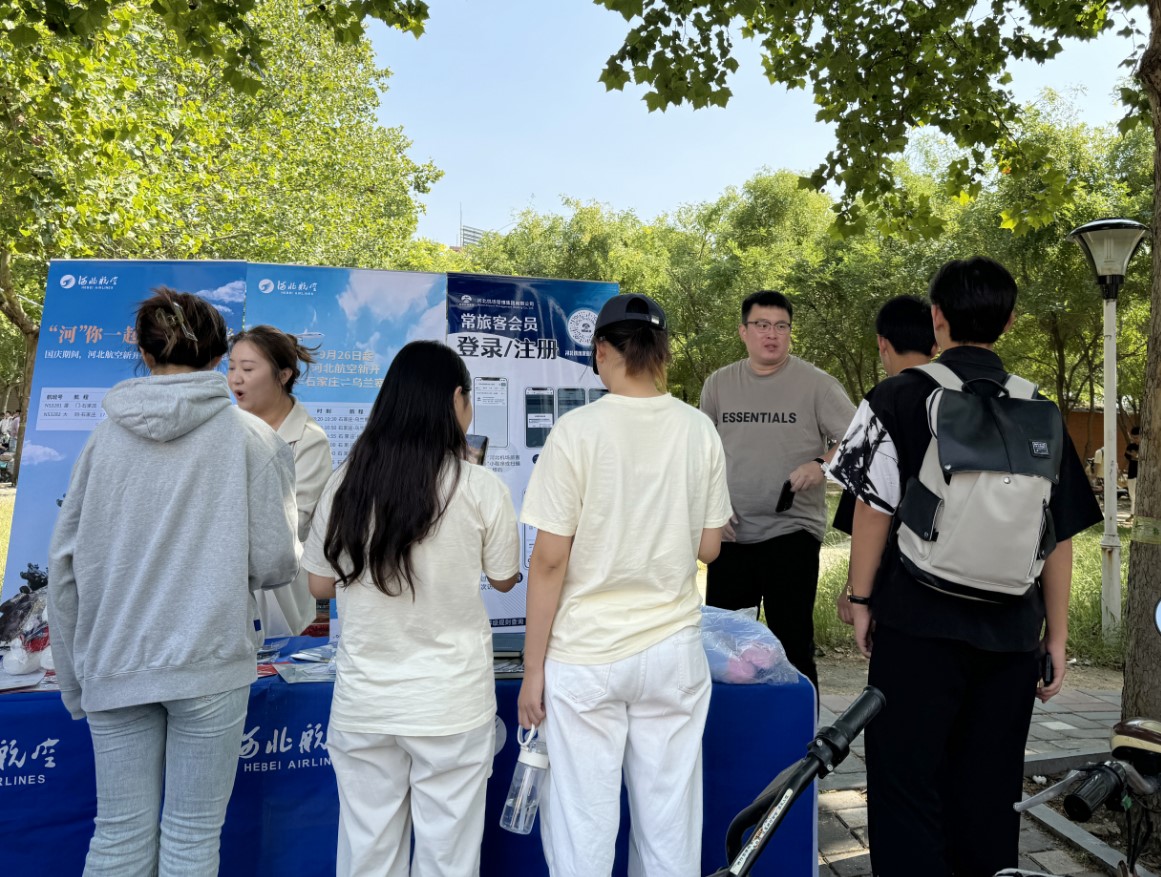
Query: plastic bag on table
(742,650)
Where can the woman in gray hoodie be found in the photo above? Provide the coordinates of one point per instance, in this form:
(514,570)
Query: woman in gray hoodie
(180,507)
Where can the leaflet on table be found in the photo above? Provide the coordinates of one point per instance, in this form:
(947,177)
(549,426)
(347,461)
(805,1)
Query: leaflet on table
(527,343)
(87,345)
(508,668)
(356,320)
(21,681)
(295,673)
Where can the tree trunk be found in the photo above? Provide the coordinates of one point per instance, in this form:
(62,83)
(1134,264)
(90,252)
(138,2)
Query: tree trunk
(11,308)
(30,342)
(1142,693)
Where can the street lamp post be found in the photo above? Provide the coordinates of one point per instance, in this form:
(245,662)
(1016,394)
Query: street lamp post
(1109,244)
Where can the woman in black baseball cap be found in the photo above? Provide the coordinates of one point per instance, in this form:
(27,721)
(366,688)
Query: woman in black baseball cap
(628,494)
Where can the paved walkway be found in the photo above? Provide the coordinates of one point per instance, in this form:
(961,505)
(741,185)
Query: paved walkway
(1072,722)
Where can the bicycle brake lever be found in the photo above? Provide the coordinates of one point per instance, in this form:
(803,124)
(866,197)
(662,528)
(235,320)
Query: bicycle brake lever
(1048,794)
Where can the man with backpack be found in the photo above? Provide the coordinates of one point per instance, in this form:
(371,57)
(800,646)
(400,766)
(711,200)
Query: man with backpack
(968,495)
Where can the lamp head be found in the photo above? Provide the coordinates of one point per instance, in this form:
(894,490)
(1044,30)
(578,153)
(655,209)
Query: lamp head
(1109,244)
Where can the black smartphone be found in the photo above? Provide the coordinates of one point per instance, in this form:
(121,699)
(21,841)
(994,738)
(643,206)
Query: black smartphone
(785,498)
(1047,671)
(477,448)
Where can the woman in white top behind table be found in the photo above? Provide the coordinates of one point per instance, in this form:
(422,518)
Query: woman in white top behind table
(628,494)
(264,365)
(405,526)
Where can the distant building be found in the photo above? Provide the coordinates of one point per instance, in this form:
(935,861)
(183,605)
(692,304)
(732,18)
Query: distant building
(470,235)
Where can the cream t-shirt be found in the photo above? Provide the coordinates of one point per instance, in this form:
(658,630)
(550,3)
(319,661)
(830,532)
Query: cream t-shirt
(423,666)
(634,482)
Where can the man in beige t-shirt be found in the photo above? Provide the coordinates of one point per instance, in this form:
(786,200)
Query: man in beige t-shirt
(777,416)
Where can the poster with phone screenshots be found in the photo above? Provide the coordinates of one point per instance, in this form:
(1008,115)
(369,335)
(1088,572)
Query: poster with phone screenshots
(355,320)
(527,343)
(87,345)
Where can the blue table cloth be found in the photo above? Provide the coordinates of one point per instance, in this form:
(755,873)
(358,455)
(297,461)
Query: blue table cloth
(284,811)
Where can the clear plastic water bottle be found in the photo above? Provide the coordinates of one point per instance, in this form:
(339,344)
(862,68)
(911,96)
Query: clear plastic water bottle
(527,782)
(336,625)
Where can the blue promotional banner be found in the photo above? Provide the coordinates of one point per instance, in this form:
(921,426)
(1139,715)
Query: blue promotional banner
(87,344)
(358,320)
(527,343)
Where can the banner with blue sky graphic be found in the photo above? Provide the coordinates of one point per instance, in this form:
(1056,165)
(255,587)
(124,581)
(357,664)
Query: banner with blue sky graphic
(357,320)
(526,342)
(88,344)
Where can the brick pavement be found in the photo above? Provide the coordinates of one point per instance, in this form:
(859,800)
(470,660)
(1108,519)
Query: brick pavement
(1074,720)
(842,841)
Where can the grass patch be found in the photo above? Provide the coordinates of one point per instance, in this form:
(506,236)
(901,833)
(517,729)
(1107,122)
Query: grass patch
(1086,641)
(829,632)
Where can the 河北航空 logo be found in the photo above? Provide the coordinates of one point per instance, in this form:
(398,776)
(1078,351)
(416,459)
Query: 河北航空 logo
(89,281)
(287,287)
(581,325)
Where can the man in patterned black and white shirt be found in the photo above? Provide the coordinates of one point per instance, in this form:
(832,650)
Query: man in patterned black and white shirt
(905,339)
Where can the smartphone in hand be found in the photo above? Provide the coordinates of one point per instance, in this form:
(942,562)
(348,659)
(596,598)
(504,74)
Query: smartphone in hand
(477,448)
(785,498)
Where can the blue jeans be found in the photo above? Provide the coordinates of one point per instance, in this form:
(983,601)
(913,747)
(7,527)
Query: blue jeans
(189,749)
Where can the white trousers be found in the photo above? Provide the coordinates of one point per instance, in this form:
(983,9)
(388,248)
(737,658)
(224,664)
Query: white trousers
(389,785)
(644,714)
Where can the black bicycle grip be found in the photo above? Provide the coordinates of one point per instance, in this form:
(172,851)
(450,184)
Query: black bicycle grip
(859,714)
(1101,784)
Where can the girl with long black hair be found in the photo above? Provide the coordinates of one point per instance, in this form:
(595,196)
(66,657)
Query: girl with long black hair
(401,533)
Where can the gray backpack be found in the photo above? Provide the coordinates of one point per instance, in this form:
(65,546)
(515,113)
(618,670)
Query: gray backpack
(976,522)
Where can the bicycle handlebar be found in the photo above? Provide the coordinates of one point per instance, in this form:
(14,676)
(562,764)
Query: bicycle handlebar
(851,723)
(830,747)
(1104,781)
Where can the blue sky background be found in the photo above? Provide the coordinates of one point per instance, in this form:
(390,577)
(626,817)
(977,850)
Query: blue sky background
(503,96)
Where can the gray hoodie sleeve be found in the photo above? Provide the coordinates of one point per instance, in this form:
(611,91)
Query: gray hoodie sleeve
(62,589)
(274,546)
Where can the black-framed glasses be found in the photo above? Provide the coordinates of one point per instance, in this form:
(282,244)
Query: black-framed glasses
(765,327)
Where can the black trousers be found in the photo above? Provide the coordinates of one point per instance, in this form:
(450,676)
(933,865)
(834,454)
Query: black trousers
(945,757)
(781,576)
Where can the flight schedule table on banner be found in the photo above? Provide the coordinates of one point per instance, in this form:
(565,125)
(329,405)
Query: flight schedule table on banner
(283,814)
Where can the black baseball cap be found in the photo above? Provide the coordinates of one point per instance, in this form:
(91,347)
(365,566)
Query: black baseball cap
(630,307)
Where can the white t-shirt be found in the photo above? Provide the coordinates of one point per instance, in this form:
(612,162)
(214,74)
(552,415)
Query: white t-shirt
(423,666)
(634,481)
